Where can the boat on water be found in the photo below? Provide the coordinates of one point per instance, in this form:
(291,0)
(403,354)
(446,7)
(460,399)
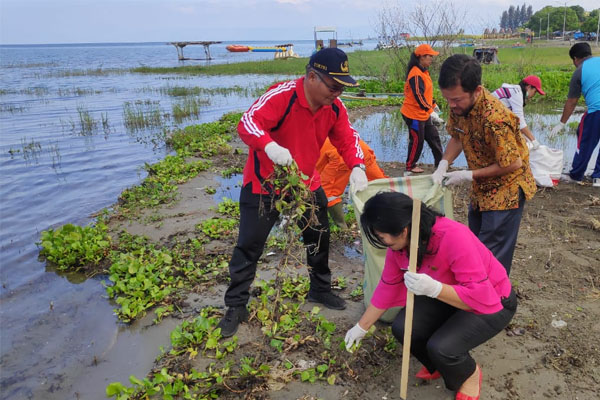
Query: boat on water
(237,48)
(273,49)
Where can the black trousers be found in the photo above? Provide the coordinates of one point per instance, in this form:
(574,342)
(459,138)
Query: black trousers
(443,335)
(498,230)
(418,133)
(256,222)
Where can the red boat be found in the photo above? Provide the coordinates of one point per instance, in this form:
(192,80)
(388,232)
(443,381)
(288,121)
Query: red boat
(237,48)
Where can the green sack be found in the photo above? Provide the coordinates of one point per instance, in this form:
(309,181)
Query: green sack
(421,187)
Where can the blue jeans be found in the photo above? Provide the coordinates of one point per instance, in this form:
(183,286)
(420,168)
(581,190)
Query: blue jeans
(588,135)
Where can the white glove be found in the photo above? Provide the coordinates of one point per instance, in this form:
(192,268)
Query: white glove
(354,336)
(437,109)
(358,180)
(279,155)
(438,175)
(422,284)
(557,128)
(435,118)
(535,144)
(456,177)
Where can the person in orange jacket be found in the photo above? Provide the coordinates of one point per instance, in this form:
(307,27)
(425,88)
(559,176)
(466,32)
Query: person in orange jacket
(419,109)
(335,176)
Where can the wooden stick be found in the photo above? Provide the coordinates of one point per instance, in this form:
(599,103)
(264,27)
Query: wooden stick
(410,297)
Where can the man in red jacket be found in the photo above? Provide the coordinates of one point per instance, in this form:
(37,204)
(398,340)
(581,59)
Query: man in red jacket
(289,123)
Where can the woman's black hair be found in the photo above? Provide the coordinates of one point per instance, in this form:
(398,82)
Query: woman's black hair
(391,212)
(524,91)
(462,70)
(414,61)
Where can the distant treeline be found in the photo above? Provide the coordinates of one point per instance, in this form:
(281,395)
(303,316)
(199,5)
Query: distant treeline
(550,18)
(574,17)
(514,18)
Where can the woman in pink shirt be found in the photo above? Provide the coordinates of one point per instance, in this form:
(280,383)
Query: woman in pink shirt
(463,296)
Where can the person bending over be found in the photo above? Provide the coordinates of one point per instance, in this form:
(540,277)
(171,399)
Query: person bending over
(463,296)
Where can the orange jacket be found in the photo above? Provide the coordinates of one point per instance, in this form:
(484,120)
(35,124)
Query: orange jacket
(418,95)
(335,174)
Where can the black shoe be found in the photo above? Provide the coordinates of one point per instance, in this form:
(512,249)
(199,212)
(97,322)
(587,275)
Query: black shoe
(232,318)
(328,299)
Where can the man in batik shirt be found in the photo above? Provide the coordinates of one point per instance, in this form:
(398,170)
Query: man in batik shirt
(497,157)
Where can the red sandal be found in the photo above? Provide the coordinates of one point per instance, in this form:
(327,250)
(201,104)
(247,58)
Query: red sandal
(424,374)
(462,396)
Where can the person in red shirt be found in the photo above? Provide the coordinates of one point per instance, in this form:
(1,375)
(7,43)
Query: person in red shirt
(419,109)
(290,123)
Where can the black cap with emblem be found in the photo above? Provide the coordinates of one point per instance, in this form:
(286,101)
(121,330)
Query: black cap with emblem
(333,62)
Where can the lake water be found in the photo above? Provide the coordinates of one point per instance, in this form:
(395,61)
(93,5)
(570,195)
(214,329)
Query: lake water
(65,154)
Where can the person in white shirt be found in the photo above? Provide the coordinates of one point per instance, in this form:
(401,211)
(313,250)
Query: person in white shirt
(514,98)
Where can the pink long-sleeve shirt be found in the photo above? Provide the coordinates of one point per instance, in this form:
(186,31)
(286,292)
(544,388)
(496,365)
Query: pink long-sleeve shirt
(455,257)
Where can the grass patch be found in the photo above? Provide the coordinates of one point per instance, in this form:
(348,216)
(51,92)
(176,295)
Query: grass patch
(160,187)
(552,64)
(142,114)
(189,107)
(205,140)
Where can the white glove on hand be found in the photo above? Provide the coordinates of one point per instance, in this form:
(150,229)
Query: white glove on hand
(354,336)
(358,180)
(279,155)
(535,144)
(435,118)
(456,177)
(557,128)
(422,284)
(438,175)
(437,109)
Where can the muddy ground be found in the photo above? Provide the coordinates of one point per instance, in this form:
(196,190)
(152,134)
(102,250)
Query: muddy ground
(550,350)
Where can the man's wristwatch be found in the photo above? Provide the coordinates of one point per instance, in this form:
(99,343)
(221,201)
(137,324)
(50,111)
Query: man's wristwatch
(361,166)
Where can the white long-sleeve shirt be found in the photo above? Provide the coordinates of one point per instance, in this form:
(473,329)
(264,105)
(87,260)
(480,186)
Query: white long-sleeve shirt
(512,97)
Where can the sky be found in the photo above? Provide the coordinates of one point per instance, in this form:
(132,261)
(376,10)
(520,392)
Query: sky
(93,21)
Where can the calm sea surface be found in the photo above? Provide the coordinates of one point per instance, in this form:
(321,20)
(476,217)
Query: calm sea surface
(65,154)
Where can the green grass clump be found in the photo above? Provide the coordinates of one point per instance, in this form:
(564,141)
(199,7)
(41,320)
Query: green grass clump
(189,107)
(73,247)
(218,228)
(205,140)
(141,115)
(160,185)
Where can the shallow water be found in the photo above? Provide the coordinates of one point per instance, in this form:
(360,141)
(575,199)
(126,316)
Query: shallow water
(59,335)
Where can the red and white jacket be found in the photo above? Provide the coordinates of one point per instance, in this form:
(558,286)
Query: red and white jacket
(283,115)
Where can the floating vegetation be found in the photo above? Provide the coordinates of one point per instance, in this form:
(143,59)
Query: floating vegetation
(31,65)
(73,247)
(180,91)
(35,91)
(54,152)
(12,108)
(77,91)
(87,123)
(189,107)
(142,114)
(87,72)
(31,150)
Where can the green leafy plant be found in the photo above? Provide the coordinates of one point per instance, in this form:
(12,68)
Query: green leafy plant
(229,207)
(72,247)
(218,228)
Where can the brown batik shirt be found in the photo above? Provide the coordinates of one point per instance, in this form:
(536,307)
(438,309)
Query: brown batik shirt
(490,134)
